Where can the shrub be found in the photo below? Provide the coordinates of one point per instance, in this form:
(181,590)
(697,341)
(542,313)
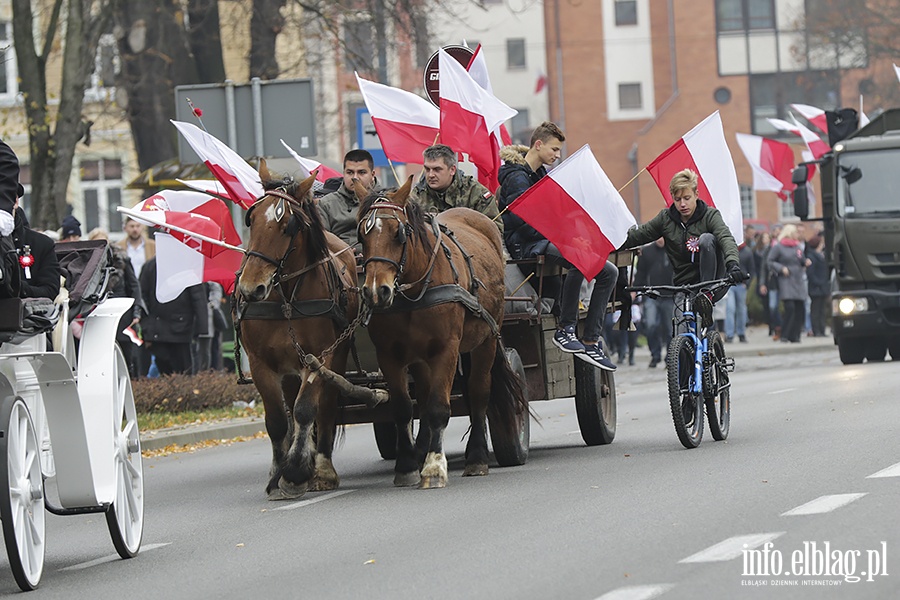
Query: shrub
(177,393)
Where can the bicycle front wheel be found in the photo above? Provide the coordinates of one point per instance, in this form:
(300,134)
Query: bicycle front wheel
(687,406)
(717,388)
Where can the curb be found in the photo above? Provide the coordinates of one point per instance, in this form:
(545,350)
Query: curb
(190,434)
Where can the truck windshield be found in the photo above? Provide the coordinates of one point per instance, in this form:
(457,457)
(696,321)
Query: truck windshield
(868,183)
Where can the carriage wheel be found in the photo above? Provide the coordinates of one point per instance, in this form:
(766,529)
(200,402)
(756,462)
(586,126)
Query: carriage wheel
(595,403)
(22,507)
(512,451)
(386,439)
(125,516)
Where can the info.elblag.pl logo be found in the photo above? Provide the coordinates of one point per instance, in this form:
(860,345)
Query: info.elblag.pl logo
(813,564)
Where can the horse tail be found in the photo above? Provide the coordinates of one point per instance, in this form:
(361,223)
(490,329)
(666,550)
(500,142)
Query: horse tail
(507,393)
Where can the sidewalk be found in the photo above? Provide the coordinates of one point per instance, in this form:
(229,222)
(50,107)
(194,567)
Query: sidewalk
(758,344)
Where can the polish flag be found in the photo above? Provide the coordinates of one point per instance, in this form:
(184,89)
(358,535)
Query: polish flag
(541,83)
(238,177)
(406,124)
(814,115)
(782,125)
(132,335)
(813,142)
(771,162)
(194,223)
(579,210)
(468,116)
(478,70)
(704,150)
(209,186)
(178,265)
(309,165)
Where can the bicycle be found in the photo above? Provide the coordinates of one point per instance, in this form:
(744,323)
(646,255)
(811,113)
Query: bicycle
(696,364)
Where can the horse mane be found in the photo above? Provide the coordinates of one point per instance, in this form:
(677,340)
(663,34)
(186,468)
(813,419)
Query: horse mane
(415,216)
(316,244)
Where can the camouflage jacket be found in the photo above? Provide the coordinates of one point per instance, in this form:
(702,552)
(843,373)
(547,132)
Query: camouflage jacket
(464,192)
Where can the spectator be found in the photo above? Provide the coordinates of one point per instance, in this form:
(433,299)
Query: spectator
(220,324)
(71,229)
(654,268)
(786,260)
(736,300)
(136,245)
(41,278)
(818,284)
(169,326)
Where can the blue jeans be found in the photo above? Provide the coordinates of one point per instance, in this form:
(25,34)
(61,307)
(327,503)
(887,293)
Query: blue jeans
(736,311)
(657,324)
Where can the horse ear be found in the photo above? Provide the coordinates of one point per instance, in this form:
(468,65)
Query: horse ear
(400,196)
(264,174)
(306,185)
(360,190)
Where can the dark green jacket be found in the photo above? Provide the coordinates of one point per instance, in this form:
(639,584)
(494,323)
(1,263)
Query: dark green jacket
(667,225)
(338,211)
(464,192)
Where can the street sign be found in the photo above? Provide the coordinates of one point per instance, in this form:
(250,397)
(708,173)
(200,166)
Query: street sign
(367,138)
(462,54)
(253,117)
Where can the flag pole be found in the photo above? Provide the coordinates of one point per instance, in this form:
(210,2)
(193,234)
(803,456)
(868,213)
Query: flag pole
(142,215)
(500,213)
(632,179)
(393,170)
(197,113)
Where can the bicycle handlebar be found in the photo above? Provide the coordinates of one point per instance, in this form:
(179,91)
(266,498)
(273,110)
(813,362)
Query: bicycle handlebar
(654,290)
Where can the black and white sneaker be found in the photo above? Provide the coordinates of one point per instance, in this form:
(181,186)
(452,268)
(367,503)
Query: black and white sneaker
(594,355)
(566,340)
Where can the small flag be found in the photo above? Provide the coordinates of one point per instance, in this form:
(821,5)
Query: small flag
(132,335)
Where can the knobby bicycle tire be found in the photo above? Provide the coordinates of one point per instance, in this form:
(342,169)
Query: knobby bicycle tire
(715,377)
(687,407)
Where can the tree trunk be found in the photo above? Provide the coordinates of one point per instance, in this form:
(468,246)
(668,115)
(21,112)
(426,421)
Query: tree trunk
(155,56)
(206,40)
(265,25)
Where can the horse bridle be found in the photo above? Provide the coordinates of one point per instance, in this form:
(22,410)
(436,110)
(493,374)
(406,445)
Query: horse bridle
(285,204)
(403,232)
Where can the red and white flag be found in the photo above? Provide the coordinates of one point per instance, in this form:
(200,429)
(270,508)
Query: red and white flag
(813,142)
(238,177)
(782,125)
(814,115)
(703,150)
(178,265)
(771,162)
(210,186)
(478,70)
(406,124)
(579,210)
(132,335)
(309,165)
(468,116)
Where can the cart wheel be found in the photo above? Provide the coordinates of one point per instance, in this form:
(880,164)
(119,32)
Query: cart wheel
(22,507)
(512,451)
(595,403)
(386,439)
(125,516)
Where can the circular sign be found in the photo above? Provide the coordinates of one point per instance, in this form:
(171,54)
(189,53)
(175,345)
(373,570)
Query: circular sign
(462,54)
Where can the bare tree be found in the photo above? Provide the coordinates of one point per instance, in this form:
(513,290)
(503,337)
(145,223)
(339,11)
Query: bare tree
(52,152)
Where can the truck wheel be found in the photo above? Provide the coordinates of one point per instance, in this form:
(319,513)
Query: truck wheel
(875,350)
(851,350)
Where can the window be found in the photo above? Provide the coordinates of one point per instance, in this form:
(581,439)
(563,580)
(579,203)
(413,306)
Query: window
(515,53)
(786,210)
(359,48)
(630,96)
(101,188)
(626,12)
(106,67)
(745,15)
(770,95)
(519,128)
(748,202)
(9,85)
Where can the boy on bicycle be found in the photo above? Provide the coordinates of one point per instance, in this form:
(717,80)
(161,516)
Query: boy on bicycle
(697,240)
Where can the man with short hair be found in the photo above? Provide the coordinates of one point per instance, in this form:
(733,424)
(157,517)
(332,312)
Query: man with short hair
(136,245)
(443,186)
(524,167)
(338,209)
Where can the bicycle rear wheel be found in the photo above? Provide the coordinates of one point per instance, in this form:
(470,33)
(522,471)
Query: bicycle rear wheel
(687,406)
(716,388)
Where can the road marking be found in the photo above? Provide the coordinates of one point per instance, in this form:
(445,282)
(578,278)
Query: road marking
(637,592)
(823,504)
(110,558)
(891,471)
(732,547)
(303,503)
(782,391)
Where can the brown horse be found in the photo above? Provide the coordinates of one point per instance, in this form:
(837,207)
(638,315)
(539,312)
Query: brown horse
(293,266)
(437,291)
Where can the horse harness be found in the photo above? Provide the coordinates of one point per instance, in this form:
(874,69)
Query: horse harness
(429,295)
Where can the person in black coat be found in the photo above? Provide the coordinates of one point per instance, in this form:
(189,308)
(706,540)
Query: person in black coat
(169,326)
(41,278)
(10,191)
(818,284)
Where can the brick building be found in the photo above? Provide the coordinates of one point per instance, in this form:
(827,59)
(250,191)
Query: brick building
(632,76)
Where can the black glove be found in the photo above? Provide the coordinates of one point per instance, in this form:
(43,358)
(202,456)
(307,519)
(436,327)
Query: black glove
(736,274)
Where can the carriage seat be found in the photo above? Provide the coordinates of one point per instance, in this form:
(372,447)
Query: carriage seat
(26,317)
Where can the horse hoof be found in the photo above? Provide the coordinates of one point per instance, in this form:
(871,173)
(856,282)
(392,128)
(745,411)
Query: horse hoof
(432,482)
(406,479)
(323,485)
(288,491)
(475,470)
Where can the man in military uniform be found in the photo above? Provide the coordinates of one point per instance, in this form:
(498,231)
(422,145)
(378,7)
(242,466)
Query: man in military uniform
(338,209)
(443,186)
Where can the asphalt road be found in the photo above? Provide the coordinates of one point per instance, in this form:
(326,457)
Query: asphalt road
(640,518)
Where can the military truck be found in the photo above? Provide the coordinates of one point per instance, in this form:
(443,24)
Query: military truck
(860,185)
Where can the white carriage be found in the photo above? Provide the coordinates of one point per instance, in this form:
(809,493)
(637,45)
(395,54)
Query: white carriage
(67,419)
